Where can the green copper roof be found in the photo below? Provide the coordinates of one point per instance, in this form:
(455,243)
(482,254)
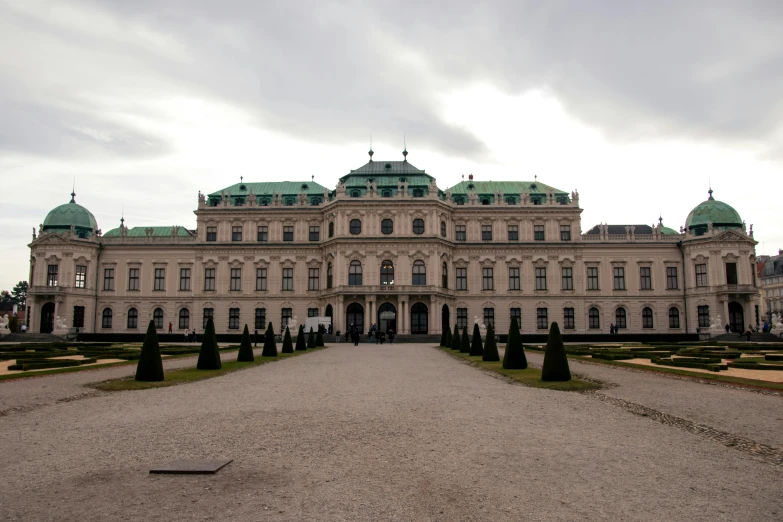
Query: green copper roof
(713,212)
(267,188)
(142,232)
(387,174)
(506,187)
(62,217)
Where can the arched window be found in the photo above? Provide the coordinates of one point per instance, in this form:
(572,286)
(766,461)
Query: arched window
(329,275)
(106,322)
(419,273)
(442,229)
(331,229)
(157,318)
(387,273)
(133,319)
(356,227)
(418,226)
(444,275)
(419,318)
(510,200)
(355,273)
(418,193)
(315,202)
(674,317)
(485,201)
(387,226)
(184,319)
(619,318)
(594,319)
(386,193)
(647,318)
(355,193)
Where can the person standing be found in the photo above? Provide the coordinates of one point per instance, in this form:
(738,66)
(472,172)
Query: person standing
(194,335)
(337,334)
(170,327)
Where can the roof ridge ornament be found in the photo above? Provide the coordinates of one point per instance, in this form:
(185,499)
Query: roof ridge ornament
(710,193)
(404,149)
(371,152)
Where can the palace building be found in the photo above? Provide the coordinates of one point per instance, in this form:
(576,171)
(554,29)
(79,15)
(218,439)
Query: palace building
(388,246)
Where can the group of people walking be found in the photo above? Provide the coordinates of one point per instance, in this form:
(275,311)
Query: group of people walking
(373,334)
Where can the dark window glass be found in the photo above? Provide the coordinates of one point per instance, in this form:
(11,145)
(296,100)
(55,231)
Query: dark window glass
(701,275)
(418,226)
(329,276)
(51,275)
(387,273)
(418,193)
(184,319)
(419,274)
(542,322)
(78,317)
(356,227)
(331,229)
(674,317)
(233,318)
(592,278)
(106,318)
(541,278)
(288,279)
(133,319)
(513,278)
(731,273)
(487,279)
(486,232)
(489,317)
(355,273)
(619,318)
(462,318)
(645,278)
(261,279)
(315,233)
(209,279)
(184,278)
(538,232)
(160,279)
(671,278)
(313,278)
(387,226)
(619,278)
(288,233)
(133,278)
(513,232)
(236,233)
(442,229)
(211,233)
(568,319)
(81,276)
(565,232)
(285,317)
(108,279)
(157,318)
(704,316)
(459,232)
(260,319)
(209,313)
(236,279)
(516,313)
(312,312)
(462,278)
(263,233)
(647,318)
(594,317)
(568,278)
(444,275)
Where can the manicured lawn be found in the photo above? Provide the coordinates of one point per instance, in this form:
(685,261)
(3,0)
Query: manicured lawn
(528,377)
(187,375)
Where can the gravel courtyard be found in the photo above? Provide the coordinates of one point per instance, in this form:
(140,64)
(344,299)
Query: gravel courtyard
(400,432)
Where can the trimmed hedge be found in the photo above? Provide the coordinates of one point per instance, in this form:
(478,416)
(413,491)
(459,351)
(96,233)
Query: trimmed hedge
(464,343)
(209,357)
(25,365)
(455,339)
(311,338)
(514,357)
(613,356)
(692,363)
(490,352)
(288,345)
(150,366)
(754,366)
(476,347)
(300,339)
(245,353)
(555,366)
(270,345)
(773,356)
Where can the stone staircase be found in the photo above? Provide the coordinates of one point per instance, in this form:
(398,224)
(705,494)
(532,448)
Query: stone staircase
(754,338)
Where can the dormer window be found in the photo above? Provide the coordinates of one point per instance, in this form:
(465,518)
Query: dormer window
(418,193)
(485,201)
(355,194)
(386,193)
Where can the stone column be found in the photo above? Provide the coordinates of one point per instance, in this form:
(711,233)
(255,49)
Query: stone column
(436,325)
(401,312)
(339,315)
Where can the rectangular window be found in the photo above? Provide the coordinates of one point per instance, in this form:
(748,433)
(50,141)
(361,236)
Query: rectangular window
(516,313)
(513,232)
(236,233)
(261,279)
(592,278)
(288,279)
(486,232)
(133,278)
(262,235)
(489,317)
(645,278)
(487,282)
(312,312)
(459,231)
(731,273)
(233,318)
(619,278)
(674,318)
(209,313)
(704,316)
(108,279)
(541,278)
(313,279)
(284,318)
(51,275)
(671,277)
(288,233)
(209,279)
(260,323)
(211,234)
(462,318)
(107,316)
(236,279)
(78,317)
(160,279)
(701,275)
(568,319)
(81,276)
(315,233)
(538,232)
(184,278)
(462,278)
(542,323)
(568,278)
(513,278)
(565,232)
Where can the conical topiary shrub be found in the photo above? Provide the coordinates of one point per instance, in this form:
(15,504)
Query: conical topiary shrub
(490,346)
(464,343)
(444,337)
(455,341)
(270,345)
(555,360)
(245,348)
(514,358)
(288,345)
(319,338)
(448,337)
(150,366)
(311,339)
(476,348)
(209,357)
(300,340)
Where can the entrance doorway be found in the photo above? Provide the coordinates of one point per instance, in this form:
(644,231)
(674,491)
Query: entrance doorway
(47,318)
(329,312)
(354,316)
(736,317)
(446,320)
(387,317)
(419,318)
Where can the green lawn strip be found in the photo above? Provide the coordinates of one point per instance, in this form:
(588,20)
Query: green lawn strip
(528,377)
(30,374)
(751,383)
(186,375)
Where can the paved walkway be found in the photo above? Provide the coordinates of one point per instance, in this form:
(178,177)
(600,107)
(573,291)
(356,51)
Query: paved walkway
(369,433)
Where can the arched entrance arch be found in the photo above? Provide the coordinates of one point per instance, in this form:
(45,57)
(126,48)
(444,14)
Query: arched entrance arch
(736,317)
(419,318)
(329,312)
(47,318)
(354,316)
(445,319)
(387,317)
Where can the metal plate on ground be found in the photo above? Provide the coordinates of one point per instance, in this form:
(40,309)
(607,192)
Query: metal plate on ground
(193,467)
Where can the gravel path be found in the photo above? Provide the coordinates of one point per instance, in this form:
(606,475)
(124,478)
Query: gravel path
(369,433)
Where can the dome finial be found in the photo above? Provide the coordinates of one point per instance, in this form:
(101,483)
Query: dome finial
(404,148)
(73,191)
(371,152)
(710,193)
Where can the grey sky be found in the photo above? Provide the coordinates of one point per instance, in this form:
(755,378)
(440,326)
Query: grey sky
(83,85)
